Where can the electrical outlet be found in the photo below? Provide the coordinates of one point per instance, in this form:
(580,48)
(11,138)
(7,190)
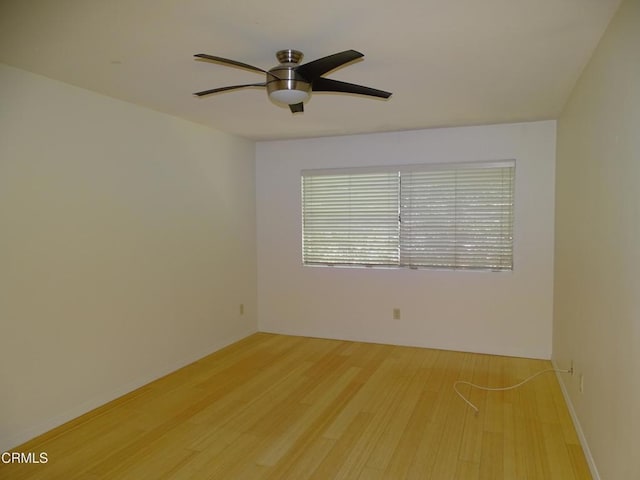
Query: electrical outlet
(242,309)
(396,314)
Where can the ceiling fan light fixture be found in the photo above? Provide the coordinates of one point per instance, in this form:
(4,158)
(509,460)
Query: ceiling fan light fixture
(289,96)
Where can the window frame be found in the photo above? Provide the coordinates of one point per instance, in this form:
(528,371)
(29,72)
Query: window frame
(404,171)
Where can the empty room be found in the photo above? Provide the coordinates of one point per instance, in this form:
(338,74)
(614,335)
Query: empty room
(350,240)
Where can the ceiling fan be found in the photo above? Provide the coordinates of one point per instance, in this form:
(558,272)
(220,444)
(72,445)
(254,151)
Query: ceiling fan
(292,84)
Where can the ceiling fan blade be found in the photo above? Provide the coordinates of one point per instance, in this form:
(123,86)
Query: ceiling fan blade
(312,70)
(296,107)
(328,85)
(229,62)
(224,89)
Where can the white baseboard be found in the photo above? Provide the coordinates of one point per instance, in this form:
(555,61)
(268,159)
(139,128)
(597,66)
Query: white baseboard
(576,423)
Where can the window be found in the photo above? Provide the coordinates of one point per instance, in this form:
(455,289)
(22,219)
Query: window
(427,216)
(351,219)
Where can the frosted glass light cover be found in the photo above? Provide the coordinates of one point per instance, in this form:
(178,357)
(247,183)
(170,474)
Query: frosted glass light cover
(290,97)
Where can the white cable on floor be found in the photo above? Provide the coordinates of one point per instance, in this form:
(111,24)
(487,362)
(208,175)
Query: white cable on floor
(497,389)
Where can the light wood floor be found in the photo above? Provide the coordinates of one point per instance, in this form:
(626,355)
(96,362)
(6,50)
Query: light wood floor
(279,407)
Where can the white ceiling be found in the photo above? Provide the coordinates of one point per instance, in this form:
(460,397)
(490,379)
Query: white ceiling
(447,62)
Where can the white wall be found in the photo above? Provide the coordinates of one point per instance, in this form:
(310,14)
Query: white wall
(501,313)
(597,301)
(127,244)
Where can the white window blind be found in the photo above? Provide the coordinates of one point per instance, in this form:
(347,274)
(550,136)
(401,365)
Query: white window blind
(350,219)
(460,218)
(454,217)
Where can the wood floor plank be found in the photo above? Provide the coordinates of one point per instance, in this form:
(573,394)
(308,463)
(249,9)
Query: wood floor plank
(471,444)
(340,456)
(578,462)
(408,451)
(303,462)
(313,414)
(274,407)
(396,423)
(452,412)
(491,460)
(557,451)
(373,435)
(467,471)
(426,452)
(493,413)
(511,461)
